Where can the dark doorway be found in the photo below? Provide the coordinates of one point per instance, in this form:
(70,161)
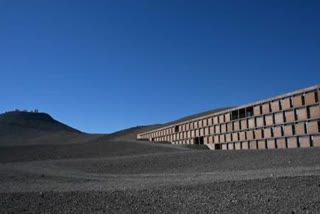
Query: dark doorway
(217,146)
(198,140)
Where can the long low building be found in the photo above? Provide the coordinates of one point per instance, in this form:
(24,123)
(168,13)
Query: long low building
(290,120)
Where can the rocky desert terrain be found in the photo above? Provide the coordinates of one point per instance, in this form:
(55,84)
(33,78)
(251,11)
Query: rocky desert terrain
(49,167)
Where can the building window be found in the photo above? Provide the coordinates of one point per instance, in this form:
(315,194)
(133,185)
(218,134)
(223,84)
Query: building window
(242,113)
(249,111)
(234,115)
(293,130)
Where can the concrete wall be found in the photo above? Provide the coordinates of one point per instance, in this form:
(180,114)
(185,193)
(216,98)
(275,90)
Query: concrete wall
(290,120)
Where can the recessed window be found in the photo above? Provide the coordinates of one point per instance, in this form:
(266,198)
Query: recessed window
(176,129)
(293,130)
(249,111)
(303,99)
(308,112)
(242,113)
(234,115)
(305,128)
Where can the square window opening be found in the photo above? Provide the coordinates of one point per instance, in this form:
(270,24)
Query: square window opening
(176,129)
(249,111)
(242,113)
(217,146)
(234,115)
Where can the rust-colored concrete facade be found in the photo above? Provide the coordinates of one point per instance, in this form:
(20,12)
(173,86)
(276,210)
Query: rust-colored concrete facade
(290,120)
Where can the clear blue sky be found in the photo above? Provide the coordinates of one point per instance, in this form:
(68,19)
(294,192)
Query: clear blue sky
(101,66)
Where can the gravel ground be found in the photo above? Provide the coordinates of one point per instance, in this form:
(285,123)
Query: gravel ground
(93,149)
(282,195)
(115,176)
(197,161)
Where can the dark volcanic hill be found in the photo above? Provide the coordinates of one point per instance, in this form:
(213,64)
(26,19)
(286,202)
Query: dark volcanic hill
(16,122)
(33,128)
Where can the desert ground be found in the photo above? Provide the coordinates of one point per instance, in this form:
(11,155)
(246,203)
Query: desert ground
(61,170)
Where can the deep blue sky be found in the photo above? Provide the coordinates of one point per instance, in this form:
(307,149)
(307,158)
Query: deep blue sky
(101,66)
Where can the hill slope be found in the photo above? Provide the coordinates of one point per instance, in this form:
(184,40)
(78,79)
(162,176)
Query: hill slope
(33,128)
(131,133)
(27,121)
